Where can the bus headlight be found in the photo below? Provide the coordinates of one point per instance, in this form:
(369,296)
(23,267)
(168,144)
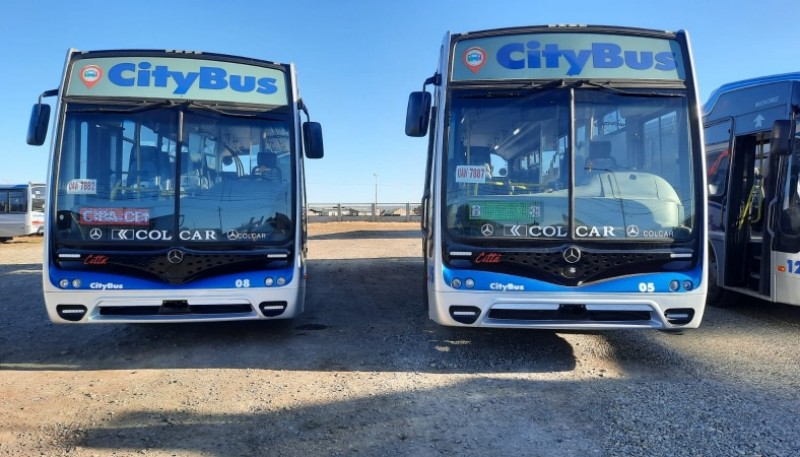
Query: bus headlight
(688,285)
(64,283)
(470,283)
(76,283)
(674,285)
(269,282)
(456,283)
(281,280)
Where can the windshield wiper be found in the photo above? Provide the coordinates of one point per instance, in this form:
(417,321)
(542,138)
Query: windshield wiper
(143,106)
(215,108)
(513,91)
(616,90)
(147,106)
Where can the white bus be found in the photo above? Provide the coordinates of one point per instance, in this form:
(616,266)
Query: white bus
(565,183)
(753,155)
(21,210)
(176,188)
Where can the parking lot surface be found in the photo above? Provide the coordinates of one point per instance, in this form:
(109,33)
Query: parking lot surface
(364,372)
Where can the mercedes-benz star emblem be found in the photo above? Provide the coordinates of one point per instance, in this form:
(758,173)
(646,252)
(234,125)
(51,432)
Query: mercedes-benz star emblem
(632,231)
(175,256)
(487,230)
(95,234)
(572,254)
(233,235)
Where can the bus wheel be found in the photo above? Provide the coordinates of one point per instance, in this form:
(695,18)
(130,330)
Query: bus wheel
(4,239)
(717,296)
(425,303)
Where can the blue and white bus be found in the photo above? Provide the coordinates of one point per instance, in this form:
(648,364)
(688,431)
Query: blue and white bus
(176,188)
(565,183)
(21,210)
(753,156)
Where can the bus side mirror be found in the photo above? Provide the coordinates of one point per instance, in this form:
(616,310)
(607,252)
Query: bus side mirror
(781,137)
(418,113)
(37,128)
(312,140)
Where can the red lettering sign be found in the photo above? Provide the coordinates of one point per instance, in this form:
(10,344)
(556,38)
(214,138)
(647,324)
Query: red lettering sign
(488,257)
(130,217)
(94,259)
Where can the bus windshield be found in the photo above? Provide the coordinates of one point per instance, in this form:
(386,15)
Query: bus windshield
(569,164)
(172,174)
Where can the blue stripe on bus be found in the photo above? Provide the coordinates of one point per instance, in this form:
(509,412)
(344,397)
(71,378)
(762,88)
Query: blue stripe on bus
(117,281)
(505,283)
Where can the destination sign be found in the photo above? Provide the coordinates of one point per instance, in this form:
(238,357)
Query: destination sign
(115,216)
(177,78)
(567,55)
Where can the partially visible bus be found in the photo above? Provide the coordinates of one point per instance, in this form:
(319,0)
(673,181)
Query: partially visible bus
(21,210)
(176,188)
(753,156)
(565,184)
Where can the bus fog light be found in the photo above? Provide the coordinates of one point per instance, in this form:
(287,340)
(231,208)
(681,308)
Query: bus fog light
(76,283)
(470,283)
(674,285)
(456,283)
(687,285)
(281,280)
(64,283)
(269,282)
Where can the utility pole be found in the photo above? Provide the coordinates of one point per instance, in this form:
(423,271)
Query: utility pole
(376,188)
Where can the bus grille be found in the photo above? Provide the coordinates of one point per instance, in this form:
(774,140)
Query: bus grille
(172,309)
(569,316)
(593,266)
(192,266)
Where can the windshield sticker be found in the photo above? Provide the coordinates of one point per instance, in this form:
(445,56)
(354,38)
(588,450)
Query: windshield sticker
(82,187)
(471,174)
(234,235)
(137,217)
(582,231)
(164,235)
(197,235)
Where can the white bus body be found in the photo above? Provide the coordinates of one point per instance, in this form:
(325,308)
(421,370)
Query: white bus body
(176,190)
(21,210)
(564,185)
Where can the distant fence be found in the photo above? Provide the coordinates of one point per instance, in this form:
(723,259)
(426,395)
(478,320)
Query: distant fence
(375,212)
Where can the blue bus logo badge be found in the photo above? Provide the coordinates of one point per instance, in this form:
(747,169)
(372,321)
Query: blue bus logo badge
(91,75)
(475,59)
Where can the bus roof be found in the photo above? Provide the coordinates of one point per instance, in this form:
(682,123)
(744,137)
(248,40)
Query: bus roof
(597,28)
(19,185)
(754,95)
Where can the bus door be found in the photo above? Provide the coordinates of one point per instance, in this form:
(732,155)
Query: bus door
(747,204)
(727,194)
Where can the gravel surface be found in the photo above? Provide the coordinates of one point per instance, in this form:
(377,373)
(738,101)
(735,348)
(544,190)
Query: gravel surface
(364,372)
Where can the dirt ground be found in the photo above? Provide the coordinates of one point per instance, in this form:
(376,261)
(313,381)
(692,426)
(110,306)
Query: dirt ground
(364,372)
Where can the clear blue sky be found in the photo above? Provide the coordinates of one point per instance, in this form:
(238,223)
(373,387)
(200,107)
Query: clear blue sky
(357,61)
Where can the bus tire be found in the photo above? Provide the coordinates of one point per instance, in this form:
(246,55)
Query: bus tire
(425,303)
(716,295)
